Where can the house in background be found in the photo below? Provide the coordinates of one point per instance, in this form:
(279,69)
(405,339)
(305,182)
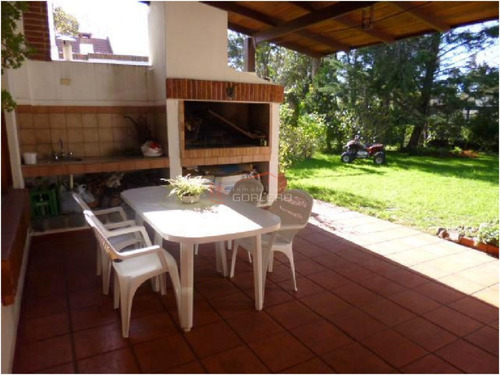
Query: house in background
(83,44)
(85,47)
(83,106)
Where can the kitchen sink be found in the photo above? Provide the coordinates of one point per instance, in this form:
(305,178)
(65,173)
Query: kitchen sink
(65,159)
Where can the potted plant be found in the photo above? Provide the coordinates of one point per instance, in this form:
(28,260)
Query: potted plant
(487,237)
(188,189)
(484,238)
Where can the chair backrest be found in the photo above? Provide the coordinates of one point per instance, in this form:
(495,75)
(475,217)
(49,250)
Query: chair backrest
(294,208)
(248,190)
(102,241)
(80,201)
(93,221)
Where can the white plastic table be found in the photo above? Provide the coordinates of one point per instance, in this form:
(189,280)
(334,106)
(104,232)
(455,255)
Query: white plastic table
(203,222)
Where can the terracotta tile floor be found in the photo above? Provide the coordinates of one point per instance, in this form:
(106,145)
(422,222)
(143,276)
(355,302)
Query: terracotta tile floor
(367,303)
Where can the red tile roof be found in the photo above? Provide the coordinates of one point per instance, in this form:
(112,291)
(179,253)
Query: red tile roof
(100,45)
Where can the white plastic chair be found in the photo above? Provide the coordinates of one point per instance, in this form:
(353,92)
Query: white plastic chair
(294,208)
(134,267)
(248,190)
(105,213)
(121,234)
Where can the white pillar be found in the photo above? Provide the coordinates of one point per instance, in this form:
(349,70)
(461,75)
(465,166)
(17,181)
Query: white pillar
(174,139)
(274,144)
(13,141)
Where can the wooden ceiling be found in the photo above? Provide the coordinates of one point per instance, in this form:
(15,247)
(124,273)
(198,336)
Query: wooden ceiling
(319,28)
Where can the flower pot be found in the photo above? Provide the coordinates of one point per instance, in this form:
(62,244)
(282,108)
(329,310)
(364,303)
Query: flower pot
(490,249)
(188,199)
(469,242)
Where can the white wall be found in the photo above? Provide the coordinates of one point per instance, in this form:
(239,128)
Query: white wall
(196,41)
(39,83)
(156,23)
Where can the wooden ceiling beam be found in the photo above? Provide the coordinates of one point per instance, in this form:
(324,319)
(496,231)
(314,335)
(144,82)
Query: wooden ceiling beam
(230,6)
(300,23)
(305,51)
(421,15)
(271,21)
(324,40)
(239,29)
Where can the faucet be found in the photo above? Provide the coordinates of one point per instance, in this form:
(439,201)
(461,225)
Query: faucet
(61,154)
(61,145)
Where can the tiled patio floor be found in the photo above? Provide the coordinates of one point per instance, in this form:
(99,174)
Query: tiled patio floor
(373,298)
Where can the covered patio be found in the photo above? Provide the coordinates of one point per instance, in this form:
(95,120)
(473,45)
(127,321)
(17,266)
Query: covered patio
(374,297)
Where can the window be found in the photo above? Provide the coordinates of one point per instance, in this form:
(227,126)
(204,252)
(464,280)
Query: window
(99,31)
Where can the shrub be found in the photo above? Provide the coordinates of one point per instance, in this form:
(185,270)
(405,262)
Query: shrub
(299,140)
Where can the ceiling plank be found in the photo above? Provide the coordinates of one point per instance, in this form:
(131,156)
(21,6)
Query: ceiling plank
(305,5)
(271,21)
(330,12)
(421,16)
(373,32)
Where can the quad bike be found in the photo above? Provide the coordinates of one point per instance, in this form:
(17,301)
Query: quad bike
(355,149)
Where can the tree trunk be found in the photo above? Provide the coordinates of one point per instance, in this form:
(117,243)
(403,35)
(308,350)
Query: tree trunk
(431,66)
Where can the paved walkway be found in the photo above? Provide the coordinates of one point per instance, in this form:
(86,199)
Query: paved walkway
(467,270)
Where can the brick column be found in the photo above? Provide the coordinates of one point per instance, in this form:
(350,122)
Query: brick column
(36,29)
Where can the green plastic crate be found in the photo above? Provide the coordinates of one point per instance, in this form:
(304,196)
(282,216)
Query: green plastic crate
(44,202)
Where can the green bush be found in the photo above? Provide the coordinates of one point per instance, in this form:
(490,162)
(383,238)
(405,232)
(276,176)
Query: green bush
(301,138)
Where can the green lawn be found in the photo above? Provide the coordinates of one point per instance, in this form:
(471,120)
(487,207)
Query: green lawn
(419,191)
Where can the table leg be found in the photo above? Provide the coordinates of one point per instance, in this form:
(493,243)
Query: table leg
(260,263)
(187,281)
(221,259)
(258,273)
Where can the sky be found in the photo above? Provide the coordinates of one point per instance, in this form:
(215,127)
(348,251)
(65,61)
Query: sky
(124,22)
(489,55)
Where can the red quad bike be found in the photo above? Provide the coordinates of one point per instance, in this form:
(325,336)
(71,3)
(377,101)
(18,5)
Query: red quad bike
(355,149)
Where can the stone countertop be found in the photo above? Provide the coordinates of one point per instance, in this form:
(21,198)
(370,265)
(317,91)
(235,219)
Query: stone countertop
(46,167)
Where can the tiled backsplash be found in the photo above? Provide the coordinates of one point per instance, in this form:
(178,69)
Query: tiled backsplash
(86,131)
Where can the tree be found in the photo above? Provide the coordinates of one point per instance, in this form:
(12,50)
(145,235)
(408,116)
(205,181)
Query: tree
(430,63)
(14,47)
(481,92)
(235,49)
(65,23)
